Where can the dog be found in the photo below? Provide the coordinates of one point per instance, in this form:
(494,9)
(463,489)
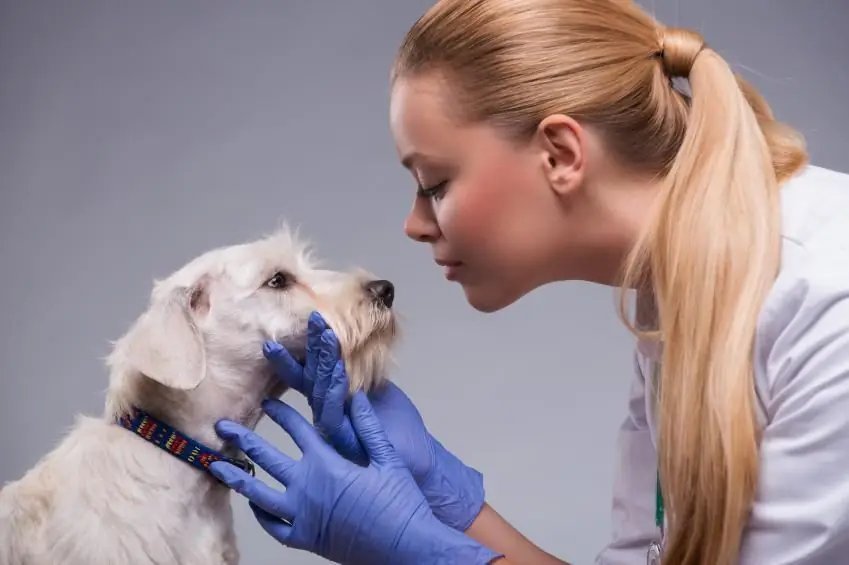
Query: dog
(132,487)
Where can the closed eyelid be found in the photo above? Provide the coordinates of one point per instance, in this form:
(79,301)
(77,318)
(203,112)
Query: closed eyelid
(432,190)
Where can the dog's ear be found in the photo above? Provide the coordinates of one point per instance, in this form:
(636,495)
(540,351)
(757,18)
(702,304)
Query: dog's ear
(165,343)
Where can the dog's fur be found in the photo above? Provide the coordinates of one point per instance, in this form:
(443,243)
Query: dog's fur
(104,496)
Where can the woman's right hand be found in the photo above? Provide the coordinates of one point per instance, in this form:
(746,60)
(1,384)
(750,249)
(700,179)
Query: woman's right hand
(453,490)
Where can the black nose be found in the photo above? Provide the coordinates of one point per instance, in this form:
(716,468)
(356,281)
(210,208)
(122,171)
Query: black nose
(382,292)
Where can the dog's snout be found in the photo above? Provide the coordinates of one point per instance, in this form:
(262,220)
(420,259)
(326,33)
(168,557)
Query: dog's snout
(382,292)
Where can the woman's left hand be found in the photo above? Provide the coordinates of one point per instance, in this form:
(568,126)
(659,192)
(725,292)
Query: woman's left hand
(337,509)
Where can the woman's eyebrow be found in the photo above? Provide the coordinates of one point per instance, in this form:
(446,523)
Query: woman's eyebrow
(411,159)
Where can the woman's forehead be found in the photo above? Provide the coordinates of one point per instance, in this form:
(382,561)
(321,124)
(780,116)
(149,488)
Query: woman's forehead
(419,119)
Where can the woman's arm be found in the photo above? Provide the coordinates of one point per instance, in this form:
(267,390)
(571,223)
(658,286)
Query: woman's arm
(494,532)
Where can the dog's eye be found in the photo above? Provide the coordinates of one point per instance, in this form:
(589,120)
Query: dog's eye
(280,280)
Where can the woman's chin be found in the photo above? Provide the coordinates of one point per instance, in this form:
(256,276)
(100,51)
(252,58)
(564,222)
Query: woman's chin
(489,299)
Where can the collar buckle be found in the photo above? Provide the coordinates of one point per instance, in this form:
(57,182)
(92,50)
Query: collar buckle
(245,465)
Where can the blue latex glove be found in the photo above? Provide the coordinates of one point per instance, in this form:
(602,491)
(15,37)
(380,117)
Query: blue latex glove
(337,509)
(453,490)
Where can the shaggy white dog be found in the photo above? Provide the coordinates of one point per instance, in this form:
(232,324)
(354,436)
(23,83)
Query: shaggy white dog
(108,496)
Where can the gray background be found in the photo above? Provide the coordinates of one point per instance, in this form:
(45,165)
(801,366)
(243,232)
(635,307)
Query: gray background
(135,135)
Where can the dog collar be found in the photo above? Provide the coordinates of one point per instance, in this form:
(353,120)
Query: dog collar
(176,443)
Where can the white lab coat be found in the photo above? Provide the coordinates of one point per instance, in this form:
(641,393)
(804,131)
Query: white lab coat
(801,512)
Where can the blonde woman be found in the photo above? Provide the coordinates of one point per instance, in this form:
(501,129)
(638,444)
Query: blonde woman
(550,143)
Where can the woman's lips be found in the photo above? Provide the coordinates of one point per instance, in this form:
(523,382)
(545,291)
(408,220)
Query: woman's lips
(450,268)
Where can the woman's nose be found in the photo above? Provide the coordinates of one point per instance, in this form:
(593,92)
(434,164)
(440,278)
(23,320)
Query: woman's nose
(420,226)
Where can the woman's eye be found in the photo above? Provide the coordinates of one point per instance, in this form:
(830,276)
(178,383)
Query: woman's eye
(435,192)
(280,280)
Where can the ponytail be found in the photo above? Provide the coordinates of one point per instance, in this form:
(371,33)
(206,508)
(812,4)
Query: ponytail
(712,254)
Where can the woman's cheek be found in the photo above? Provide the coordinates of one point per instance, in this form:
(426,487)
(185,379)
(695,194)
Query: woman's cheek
(464,215)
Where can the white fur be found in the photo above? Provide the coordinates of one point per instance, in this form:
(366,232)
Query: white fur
(104,496)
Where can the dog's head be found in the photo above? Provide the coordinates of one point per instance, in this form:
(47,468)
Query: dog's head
(198,347)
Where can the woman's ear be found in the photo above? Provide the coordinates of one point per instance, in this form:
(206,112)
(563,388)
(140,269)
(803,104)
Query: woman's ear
(562,143)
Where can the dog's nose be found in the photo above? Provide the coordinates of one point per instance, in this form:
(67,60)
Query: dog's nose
(382,291)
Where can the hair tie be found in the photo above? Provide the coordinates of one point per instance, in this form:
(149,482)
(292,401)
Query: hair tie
(678,50)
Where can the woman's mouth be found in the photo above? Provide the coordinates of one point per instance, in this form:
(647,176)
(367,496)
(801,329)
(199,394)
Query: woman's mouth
(450,268)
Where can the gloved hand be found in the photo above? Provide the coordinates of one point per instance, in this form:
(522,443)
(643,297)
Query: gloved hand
(337,509)
(453,490)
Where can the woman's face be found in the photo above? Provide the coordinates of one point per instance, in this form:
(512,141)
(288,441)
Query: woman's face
(500,220)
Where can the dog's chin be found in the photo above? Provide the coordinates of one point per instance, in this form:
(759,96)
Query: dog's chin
(296,346)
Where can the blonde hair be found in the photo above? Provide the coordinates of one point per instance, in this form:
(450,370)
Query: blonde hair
(711,251)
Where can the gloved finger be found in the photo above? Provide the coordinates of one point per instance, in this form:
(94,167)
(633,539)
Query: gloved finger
(327,358)
(315,327)
(302,432)
(271,500)
(285,366)
(277,464)
(374,439)
(334,422)
(275,527)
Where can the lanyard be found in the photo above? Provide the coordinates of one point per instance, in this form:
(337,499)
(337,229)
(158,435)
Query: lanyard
(655,551)
(658,506)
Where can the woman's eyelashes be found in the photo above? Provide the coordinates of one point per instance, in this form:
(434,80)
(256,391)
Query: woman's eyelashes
(433,192)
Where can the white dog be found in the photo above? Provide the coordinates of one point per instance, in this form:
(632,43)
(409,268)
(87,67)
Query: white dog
(116,491)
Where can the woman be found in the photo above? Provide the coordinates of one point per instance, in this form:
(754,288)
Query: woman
(550,143)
